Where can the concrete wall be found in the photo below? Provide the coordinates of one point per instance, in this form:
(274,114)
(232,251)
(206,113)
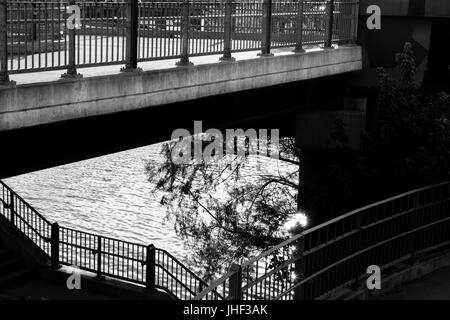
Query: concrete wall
(36,104)
(314,128)
(427,32)
(419,22)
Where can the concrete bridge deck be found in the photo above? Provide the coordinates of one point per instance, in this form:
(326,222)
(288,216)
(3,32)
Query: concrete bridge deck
(43,98)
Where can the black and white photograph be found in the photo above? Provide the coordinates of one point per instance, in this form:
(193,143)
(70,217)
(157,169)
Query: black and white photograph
(229,158)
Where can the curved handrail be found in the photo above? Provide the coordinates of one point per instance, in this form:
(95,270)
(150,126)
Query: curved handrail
(320,226)
(183,266)
(214,285)
(334,220)
(202,283)
(409,199)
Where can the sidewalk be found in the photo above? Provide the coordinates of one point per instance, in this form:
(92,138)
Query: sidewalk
(46,76)
(435,286)
(37,289)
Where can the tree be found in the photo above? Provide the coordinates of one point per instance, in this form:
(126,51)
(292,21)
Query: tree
(223,214)
(409,144)
(227,218)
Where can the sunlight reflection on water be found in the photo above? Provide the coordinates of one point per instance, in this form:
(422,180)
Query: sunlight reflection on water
(110,195)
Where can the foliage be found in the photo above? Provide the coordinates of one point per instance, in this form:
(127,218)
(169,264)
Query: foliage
(406,146)
(223,211)
(409,144)
(226,217)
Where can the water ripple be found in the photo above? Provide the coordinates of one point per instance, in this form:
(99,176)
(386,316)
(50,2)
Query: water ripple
(107,195)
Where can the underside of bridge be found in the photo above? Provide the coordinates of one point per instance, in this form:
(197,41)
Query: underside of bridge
(53,123)
(45,146)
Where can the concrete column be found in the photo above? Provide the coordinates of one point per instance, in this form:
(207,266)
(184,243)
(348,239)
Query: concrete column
(319,151)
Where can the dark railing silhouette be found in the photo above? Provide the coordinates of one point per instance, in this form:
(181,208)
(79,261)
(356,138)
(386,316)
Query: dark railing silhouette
(310,265)
(336,254)
(35,35)
(105,256)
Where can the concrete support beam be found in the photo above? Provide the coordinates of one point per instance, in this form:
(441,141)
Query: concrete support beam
(41,103)
(319,151)
(314,128)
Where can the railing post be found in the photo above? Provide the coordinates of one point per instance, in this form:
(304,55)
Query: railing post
(54,243)
(132,36)
(413,225)
(150,270)
(201,287)
(329,25)
(227,41)
(99,258)
(266,28)
(34,26)
(355,22)
(72,68)
(299,29)
(356,247)
(185,26)
(12,213)
(236,282)
(4,77)
(300,291)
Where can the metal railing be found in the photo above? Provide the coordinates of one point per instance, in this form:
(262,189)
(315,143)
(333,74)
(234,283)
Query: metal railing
(37,36)
(336,254)
(105,256)
(308,266)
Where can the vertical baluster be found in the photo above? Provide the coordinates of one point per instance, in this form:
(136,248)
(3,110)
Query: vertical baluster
(356,248)
(12,212)
(72,69)
(355,17)
(227,32)
(54,242)
(4,77)
(99,258)
(236,282)
(299,292)
(150,269)
(266,28)
(299,29)
(329,19)
(413,224)
(132,35)
(185,28)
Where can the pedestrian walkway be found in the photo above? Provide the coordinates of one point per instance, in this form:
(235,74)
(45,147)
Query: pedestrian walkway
(38,289)
(54,75)
(434,286)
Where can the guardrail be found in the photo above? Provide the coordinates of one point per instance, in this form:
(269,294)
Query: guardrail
(105,256)
(337,253)
(35,35)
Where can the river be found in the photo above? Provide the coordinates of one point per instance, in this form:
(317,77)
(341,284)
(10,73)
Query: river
(109,195)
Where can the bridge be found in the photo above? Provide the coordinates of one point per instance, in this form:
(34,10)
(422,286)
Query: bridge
(236,46)
(182,51)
